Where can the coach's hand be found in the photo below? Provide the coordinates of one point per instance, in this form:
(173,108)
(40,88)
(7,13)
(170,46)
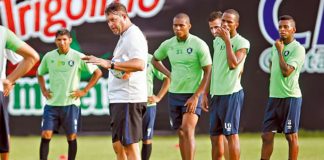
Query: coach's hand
(97,61)
(7,86)
(192,104)
(78,93)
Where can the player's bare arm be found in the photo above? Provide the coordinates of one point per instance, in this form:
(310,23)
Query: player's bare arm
(46,93)
(30,58)
(204,101)
(163,90)
(93,80)
(160,66)
(233,59)
(193,100)
(286,69)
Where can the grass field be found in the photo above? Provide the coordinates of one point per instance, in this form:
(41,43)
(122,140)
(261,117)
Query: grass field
(165,147)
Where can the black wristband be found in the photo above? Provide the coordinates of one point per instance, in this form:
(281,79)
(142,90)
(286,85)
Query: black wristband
(112,65)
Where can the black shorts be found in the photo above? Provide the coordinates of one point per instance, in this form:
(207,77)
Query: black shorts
(126,122)
(4,125)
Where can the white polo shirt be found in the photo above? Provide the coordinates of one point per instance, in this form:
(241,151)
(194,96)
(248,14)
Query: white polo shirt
(131,44)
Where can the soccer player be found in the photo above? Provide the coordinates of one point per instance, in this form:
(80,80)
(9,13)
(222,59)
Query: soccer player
(230,52)
(215,21)
(150,113)
(282,113)
(128,92)
(9,41)
(63,66)
(191,64)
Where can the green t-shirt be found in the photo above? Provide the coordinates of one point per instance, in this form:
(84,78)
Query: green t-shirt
(8,40)
(64,72)
(151,73)
(187,59)
(225,81)
(280,86)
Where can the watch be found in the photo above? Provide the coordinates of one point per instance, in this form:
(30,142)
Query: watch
(112,65)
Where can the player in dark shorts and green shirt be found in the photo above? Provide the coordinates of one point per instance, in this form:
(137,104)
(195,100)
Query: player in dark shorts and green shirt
(230,52)
(190,64)
(64,66)
(150,113)
(9,41)
(282,113)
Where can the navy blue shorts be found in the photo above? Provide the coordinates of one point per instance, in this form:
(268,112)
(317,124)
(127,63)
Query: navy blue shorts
(282,115)
(126,122)
(4,125)
(177,108)
(148,122)
(68,117)
(225,112)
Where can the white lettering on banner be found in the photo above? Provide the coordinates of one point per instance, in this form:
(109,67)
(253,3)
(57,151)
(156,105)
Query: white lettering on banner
(26,98)
(268,22)
(41,18)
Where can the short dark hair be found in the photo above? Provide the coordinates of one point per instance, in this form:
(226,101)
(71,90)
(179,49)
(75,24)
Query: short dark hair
(63,31)
(234,12)
(289,18)
(215,15)
(182,16)
(115,7)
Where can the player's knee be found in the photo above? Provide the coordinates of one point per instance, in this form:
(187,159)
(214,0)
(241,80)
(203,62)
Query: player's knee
(292,138)
(267,138)
(47,134)
(71,137)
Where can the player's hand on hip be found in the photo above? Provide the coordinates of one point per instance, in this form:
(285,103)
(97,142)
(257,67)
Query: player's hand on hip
(192,104)
(7,86)
(77,94)
(47,94)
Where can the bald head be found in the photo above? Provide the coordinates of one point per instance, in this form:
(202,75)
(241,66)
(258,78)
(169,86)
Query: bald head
(182,16)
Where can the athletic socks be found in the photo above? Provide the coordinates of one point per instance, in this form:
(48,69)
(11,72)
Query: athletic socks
(44,147)
(146,151)
(72,149)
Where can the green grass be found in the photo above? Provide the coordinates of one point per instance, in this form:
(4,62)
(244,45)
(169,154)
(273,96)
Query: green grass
(165,147)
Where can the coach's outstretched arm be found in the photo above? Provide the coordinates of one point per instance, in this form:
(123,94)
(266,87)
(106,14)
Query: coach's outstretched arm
(131,65)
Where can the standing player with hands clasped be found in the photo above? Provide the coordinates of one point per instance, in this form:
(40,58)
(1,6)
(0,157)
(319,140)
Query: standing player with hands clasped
(190,63)
(64,66)
(282,113)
